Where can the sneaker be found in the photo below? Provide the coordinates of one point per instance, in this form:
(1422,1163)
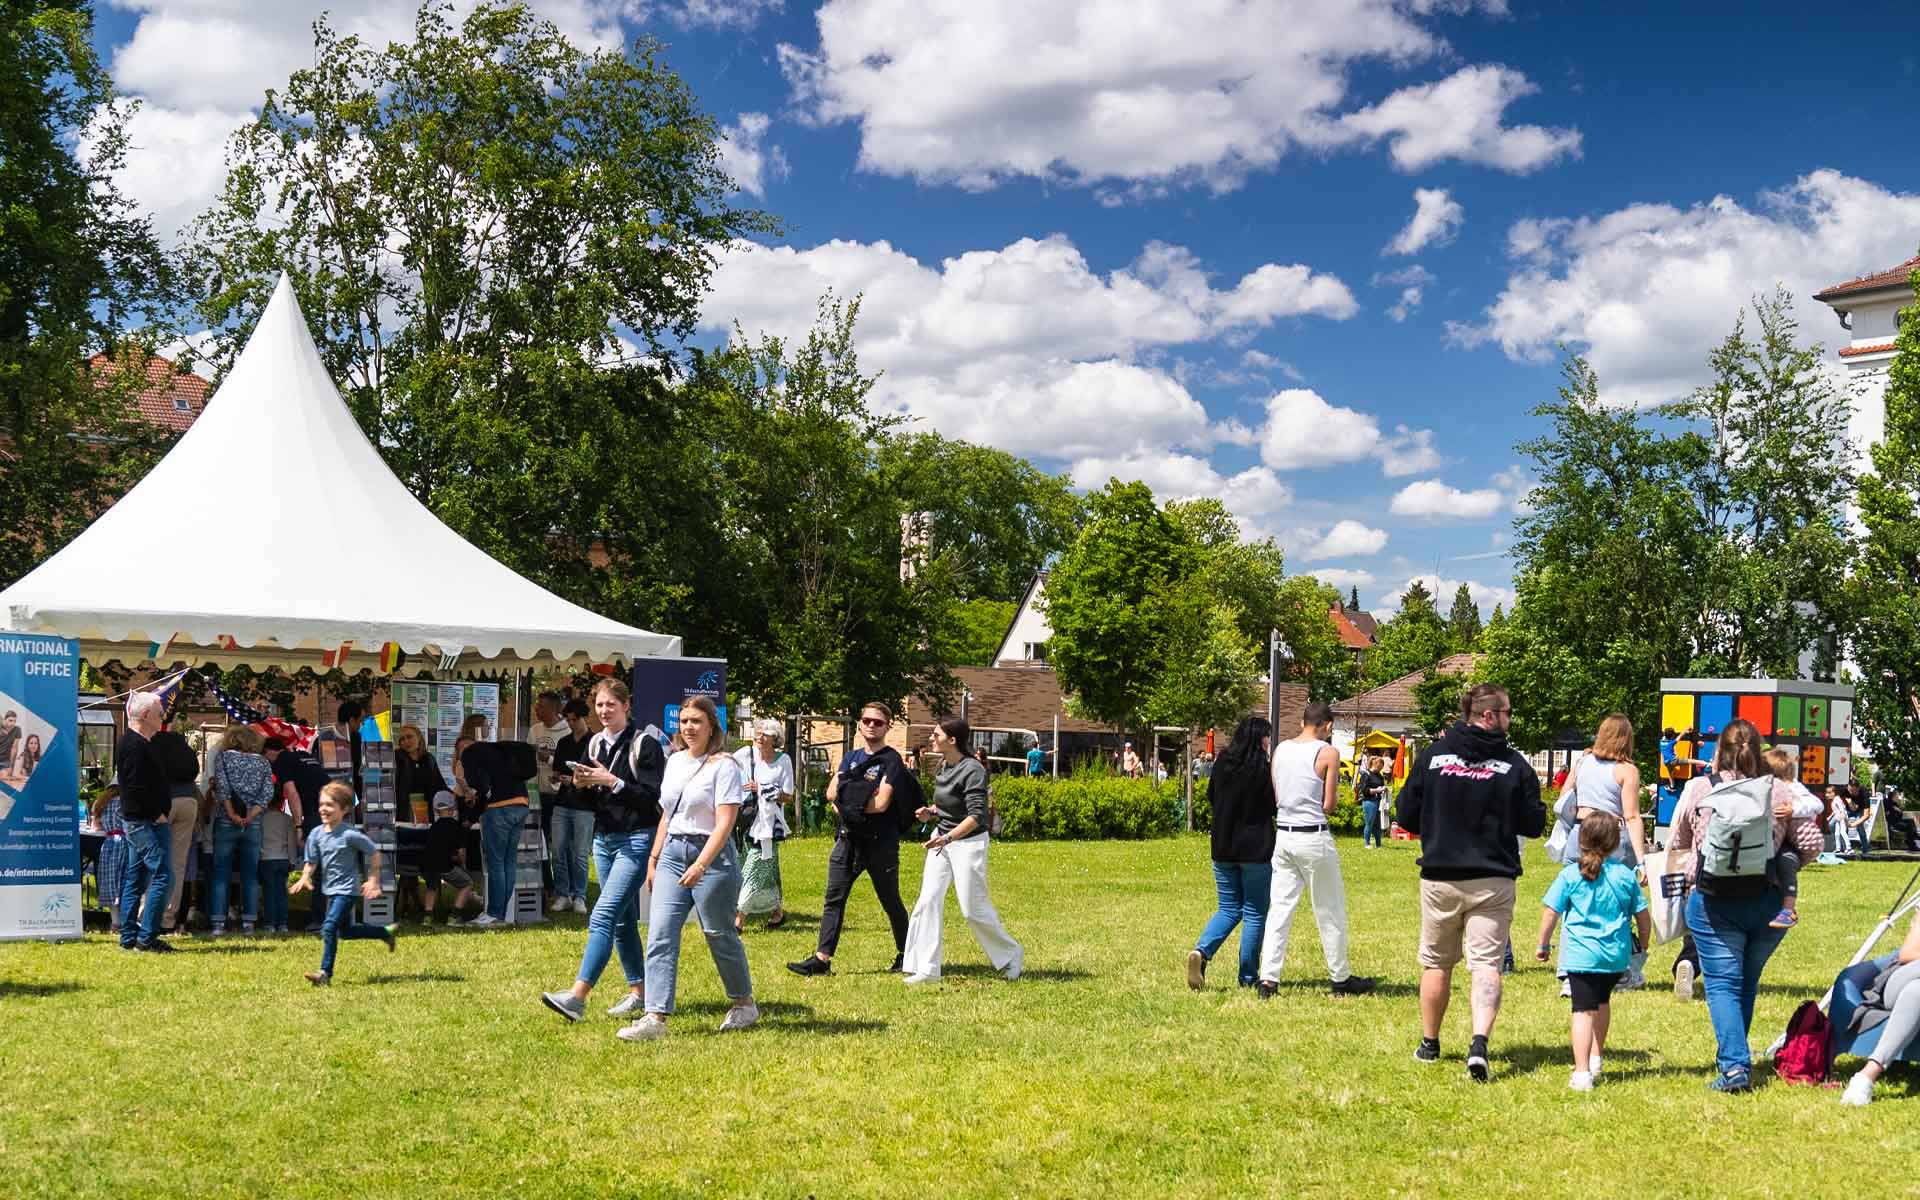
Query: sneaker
(917,980)
(560,904)
(650,1028)
(1014,968)
(629,1004)
(568,1005)
(1581,1081)
(217,931)
(1428,1051)
(1859,1091)
(485,921)
(1594,1064)
(156,946)
(1196,970)
(1266,988)
(812,964)
(389,935)
(1735,1081)
(246,929)
(279,928)
(899,964)
(319,978)
(741,1016)
(580,905)
(1354,985)
(1478,1068)
(1566,988)
(1683,980)
(1786,918)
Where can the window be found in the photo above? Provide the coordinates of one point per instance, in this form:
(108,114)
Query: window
(1036,652)
(180,404)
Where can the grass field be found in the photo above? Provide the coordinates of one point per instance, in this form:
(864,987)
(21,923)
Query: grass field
(436,1072)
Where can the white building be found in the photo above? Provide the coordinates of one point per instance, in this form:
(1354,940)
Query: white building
(1025,643)
(1866,307)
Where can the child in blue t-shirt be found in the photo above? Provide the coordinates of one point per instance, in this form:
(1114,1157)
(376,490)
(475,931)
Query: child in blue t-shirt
(338,851)
(1597,897)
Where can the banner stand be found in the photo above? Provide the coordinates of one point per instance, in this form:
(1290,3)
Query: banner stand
(39,788)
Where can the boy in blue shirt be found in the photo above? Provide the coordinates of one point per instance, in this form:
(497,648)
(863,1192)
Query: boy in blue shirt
(1598,897)
(338,850)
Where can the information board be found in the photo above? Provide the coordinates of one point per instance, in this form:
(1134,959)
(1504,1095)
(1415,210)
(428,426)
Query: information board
(39,783)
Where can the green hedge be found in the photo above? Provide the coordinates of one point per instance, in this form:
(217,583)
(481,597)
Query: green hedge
(1088,808)
(1345,819)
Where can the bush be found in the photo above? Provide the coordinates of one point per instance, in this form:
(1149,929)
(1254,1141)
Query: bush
(1346,810)
(1084,808)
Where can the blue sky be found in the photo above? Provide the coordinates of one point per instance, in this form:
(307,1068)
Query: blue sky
(1178,240)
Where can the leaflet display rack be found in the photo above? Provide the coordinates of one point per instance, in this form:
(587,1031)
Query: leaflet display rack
(377,816)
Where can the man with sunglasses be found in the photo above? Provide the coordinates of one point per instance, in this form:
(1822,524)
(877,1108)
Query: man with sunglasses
(868,840)
(1469,799)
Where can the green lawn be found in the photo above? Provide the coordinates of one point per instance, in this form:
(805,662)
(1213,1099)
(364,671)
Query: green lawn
(436,1072)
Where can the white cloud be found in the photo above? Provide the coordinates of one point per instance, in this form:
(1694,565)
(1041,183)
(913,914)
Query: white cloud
(1459,118)
(1024,347)
(1146,92)
(1251,495)
(1347,539)
(1517,485)
(1408,452)
(1437,217)
(1343,578)
(1484,595)
(1235,432)
(714,14)
(1408,302)
(750,164)
(1303,430)
(1646,291)
(176,163)
(1431,498)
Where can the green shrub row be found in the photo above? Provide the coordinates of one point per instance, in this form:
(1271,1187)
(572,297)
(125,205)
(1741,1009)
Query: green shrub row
(1345,819)
(1078,808)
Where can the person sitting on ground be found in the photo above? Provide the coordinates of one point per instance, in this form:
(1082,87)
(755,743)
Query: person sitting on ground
(1899,822)
(1598,895)
(1892,999)
(445,859)
(1787,864)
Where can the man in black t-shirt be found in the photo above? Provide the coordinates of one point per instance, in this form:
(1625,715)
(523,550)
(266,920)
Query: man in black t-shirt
(867,841)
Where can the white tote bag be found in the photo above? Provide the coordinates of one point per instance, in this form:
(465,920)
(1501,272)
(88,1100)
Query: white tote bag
(1669,898)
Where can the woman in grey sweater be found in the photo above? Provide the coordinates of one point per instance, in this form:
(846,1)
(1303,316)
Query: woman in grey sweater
(957,854)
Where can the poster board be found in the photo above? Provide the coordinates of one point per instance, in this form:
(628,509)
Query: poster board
(438,709)
(39,783)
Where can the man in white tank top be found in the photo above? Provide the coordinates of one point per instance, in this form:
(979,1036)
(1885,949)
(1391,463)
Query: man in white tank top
(1306,781)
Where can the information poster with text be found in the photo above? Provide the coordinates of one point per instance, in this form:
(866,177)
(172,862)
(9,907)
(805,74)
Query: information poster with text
(39,787)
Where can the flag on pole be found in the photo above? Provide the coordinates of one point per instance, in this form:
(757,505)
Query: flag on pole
(170,697)
(391,658)
(299,737)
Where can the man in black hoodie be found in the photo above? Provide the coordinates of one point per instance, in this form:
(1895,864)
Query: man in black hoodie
(1469,799)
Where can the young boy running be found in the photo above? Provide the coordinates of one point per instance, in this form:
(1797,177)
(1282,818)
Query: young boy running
(339,850)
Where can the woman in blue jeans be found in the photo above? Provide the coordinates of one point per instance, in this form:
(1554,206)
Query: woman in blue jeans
(1241,793)
(694,871)
(501,796)
(621,769)
(241,782)
(1733,933)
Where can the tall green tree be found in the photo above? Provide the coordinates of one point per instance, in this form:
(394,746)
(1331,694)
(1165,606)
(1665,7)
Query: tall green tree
(79,269)
(499,239)
(1463,620)
(1413,639)
(1353,601)
(1886,582)
(1436,699)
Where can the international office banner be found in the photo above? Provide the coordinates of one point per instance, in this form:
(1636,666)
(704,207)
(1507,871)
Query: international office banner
(39,787)
(662,685)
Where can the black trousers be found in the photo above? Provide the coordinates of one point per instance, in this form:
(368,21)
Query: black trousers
(876,854)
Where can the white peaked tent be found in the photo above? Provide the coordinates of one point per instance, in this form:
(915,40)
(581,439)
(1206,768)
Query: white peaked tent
(274,532)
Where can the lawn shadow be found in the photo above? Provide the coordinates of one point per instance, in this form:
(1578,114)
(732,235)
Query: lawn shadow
(10,988)
(1040,974)
(790,1017)
(225,947)
(1524,1058)
(417,977)
(1381,987)
(794,921)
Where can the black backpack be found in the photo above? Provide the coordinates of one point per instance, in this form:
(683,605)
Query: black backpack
(857,789)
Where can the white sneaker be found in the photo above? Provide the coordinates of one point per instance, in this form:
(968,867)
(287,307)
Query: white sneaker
(650,1028)
(741,1016)
(485,921)
(1593,1065)
(1566,989)
(916,980)
(560,904)
(629,1004)
(1014,968)
(580,905)
(1581,1081)
(1683,980)
(1859,1091)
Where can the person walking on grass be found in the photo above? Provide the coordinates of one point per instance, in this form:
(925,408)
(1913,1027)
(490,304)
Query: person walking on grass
(1605,780)
(622,771)
(1306,786)
(1241,791)
(868,839)
(769,779)
(694,871)
(347,863)
(1607,923)
(1371,787)
(1469,798)
(957,855)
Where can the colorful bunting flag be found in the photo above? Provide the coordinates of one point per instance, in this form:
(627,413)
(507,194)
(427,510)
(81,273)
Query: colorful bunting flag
(391,658)
(156,649)
(377,728)
(336,658)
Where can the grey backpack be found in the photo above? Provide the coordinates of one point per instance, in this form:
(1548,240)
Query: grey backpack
(1739,840)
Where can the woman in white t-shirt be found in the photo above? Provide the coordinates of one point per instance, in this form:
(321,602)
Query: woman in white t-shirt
(769,775)
(693,870)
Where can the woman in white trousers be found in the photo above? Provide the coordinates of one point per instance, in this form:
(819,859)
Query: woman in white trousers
(957,854)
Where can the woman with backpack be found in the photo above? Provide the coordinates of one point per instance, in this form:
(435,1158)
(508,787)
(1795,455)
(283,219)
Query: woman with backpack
(1241,793)
(957,855)
(1734,896)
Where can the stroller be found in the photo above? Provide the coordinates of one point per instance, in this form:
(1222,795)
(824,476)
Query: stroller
(1850,986)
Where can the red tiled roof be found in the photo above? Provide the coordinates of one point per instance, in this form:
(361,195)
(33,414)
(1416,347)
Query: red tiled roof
(1029,698)
(1396,698)
(1364,622)
(1891,277)
(1857,351)
(1351,635)
(171,399)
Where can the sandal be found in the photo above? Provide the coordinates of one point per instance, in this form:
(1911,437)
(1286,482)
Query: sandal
(1786,918)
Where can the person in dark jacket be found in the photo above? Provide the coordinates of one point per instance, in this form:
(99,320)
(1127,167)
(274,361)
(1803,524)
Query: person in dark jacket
(1241,793)
(501,795)
(1470,798)
(147,806)
(417,776)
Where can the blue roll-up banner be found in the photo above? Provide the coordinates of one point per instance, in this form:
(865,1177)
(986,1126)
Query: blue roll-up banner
(39,787)
(662,685)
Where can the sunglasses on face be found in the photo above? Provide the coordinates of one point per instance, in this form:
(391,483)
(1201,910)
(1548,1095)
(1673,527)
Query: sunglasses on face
(873,720)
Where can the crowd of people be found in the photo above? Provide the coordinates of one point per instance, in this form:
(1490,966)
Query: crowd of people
(680,825)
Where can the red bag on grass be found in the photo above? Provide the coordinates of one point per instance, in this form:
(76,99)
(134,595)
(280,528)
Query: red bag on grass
(1807,1056)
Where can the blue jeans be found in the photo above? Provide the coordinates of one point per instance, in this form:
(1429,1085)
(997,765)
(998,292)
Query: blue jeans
(340,924)
(714,899)
(149,875)
(1735,942)
(1370,822)
(1244,889)
(621,862)
(273,891)
(235,847)
(572,841)
(500,846)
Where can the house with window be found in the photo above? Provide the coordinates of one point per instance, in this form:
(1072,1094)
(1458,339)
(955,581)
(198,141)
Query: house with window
(169,397)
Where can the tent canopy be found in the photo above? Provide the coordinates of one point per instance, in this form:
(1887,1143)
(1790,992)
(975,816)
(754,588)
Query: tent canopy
(274,532)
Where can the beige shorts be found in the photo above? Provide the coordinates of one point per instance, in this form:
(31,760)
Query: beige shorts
(1478,912)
